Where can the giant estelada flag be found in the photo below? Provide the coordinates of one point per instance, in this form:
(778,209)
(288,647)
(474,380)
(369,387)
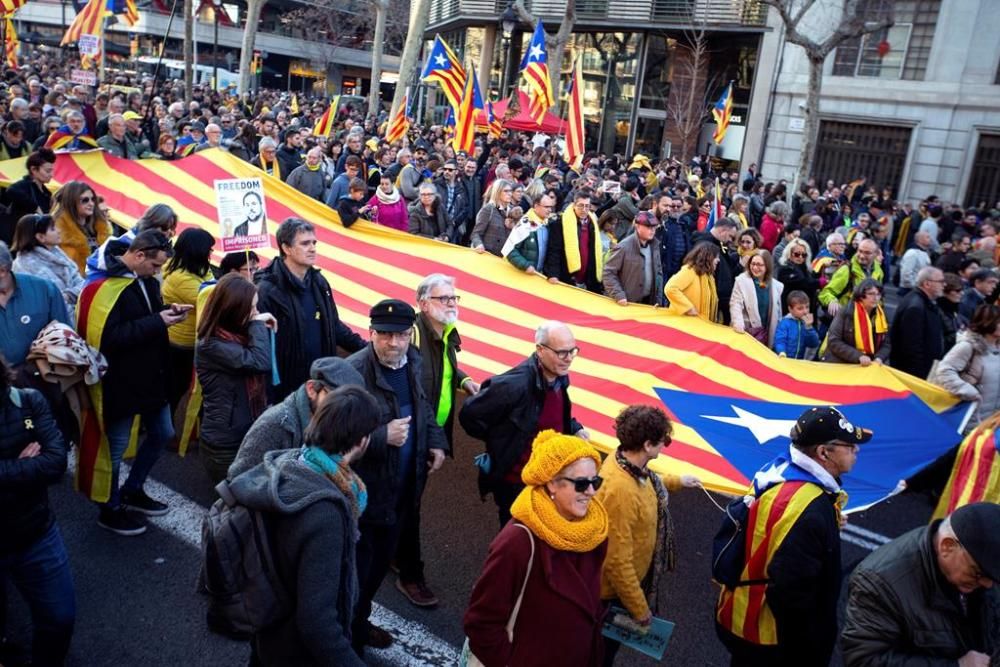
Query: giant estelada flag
(734,401)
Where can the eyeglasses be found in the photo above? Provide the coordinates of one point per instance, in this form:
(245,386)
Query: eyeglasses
(449,169)
(448,299)
(564,355)
(86,200)
(798,254)
(580,484)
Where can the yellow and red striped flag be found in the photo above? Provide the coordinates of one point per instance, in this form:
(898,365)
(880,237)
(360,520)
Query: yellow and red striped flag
(90,21)
(324,126)
(8,7)
(535,69)
(294,106)
(975,476)
(400,123)
(574,126)
(723,113)
(11,43)
(131,14)
(444,67)
(465,118)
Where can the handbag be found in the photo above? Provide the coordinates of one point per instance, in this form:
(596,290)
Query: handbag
(468,658)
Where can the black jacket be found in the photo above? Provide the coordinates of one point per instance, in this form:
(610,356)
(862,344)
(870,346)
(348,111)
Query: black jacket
(797,277)
(901,611)
(24,500)
(23,198)
(289,158)
(379,468)
(555,265)
(916,334)
(504,414)
(725,274)
(275,285)
(223,369)
(432,352)
(135,344)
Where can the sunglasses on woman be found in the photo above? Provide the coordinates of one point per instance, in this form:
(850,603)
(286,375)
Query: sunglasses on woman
(580,484)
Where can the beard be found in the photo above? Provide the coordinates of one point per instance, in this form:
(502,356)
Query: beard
(447,318)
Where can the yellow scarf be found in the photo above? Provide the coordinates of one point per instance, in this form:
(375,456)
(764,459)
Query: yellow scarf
(312,167)
(571,241)
(274,164)
(535,509)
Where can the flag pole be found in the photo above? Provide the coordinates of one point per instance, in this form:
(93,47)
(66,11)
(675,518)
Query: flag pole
(147,114)
(104,51)
(3,40)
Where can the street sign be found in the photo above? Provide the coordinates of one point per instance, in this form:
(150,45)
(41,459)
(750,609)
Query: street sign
(89,45)
(83,77)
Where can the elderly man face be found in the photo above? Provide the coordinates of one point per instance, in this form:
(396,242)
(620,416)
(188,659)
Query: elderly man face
(214,134)
(76,123)
(116,127)
(314,156)
(867,253)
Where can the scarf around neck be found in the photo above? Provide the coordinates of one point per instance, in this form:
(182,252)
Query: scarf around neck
(538,512)
(571,241)
(254,382)
(864,339)
(387,199)
(338,472)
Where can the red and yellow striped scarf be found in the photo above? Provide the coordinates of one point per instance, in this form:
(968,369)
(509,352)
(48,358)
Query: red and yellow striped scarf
(864,339)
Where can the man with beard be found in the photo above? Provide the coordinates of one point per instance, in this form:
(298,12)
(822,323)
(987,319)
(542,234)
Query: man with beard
(437,340)
(254,208)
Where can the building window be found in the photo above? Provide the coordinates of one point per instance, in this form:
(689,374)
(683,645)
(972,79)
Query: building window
(898,52)
(984,186)
(846,151)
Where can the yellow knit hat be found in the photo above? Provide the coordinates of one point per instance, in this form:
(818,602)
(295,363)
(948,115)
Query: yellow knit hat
(551,452)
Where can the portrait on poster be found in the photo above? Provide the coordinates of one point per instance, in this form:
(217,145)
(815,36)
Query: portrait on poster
(242,214)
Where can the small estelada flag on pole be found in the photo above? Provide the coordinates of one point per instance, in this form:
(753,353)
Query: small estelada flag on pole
(324,126)
(535,70)
(465,120)
(400,123)
(11,43)
(723,113)
(574,124)
(90,21)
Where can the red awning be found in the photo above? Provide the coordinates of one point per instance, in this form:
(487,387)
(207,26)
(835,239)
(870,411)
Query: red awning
(551,124)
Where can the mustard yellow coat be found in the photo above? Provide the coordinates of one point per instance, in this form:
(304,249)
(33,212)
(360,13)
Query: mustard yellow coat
(182,287)
(631,506)
(686,290)
(74,240)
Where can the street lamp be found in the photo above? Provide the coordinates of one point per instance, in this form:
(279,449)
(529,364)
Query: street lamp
(508,21)
(217,7)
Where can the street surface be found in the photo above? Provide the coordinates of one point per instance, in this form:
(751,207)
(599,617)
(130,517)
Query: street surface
(137,603)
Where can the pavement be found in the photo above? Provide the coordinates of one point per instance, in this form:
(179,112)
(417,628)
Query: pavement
(137,603)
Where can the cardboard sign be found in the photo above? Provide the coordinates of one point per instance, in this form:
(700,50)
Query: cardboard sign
(83,77)
(651,641)
(242,215)
(89,45)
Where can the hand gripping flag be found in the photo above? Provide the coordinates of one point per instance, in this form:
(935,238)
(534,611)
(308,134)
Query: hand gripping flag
(324,126)
(90,21)
(535,69)
(11,43)
(465,119)
(574,131)
(444,67)
(723,113)
(400,123)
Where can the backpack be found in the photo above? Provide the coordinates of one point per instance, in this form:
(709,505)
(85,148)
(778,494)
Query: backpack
(238,572)
(729,547)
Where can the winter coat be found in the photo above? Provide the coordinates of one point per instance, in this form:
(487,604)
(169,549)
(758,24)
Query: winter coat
(75,243)
(124,149)
(392,215)
(430,225)
(24,500)
(770,229)
(223,367)
(182,286)
(841,286)
(797,277)
(288,158)
(280,427)
(313,537)
(431,347)
(743,308)
(349,210)
(490,230)
(624,210)
(136,345)
(379,468)
(555,263)
(840,340)
(624,272)
(308,182)
(55,266)
(971,299)
(459,212)
(686,290)
(561,614)
(275,286)
(792,338)
(674,236)
(901,612)
(24,197)
(971,371)
(530,249)
(504,414)
(913,260)
(917,335)
(725,273)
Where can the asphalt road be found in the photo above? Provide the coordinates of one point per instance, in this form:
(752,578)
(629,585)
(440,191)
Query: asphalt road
(137,604)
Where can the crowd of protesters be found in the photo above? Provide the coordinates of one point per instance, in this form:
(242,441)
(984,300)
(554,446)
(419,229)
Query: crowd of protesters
(339,451)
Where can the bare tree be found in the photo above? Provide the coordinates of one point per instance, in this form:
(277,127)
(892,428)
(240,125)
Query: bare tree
(381,7)
(689,100)
(188,49)
(254,8)
(555,44)
(420,13)
(857,18)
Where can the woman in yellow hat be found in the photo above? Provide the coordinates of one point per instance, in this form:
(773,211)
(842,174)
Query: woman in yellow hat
(538,598)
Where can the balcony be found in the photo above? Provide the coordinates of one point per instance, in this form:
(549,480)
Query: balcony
(661,13)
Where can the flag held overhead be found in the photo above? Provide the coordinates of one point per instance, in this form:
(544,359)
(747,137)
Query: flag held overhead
(535,70)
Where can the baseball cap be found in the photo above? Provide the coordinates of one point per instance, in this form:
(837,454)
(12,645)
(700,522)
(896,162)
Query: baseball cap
(646,218)
(817,426)
(975,525)
(131,115)
(392,315)
(197,126)
(335,372)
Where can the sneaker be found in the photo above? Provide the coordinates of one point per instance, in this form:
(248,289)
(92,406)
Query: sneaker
(417,593)
(378,638)
(138,501)
(121,521)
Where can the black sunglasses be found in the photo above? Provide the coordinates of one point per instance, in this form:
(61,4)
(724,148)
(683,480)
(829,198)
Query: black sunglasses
(580,484)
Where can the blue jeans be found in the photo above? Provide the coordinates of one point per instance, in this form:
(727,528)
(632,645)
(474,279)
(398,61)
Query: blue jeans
(159,431)
(41,573)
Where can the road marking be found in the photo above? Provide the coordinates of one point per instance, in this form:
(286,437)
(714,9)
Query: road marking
(414,644)
(864,544)
(867,534)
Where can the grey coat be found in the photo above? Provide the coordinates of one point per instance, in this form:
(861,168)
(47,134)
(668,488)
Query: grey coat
(310,183)
(313,535)
(624,271)
(53,265)
(968,371)
(431,225)
(490,230)
(840,340)
(280,427)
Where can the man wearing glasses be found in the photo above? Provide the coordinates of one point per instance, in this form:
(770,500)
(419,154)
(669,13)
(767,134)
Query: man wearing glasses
(401,452)
(930,596)
(574,254)
(841,286)
(513,407)
(784,611)
(453,197)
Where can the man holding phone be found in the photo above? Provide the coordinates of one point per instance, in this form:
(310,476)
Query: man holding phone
(133,339)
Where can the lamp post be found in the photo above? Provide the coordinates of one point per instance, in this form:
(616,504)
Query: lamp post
(217,7)
(508,21)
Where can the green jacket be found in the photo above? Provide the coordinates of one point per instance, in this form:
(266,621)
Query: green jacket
(842,282)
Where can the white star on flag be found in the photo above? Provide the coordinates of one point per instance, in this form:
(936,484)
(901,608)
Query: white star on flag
(440,60)
(762,428)
(536,52)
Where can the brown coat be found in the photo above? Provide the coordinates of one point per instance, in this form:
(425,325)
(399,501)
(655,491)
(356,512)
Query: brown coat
(840,339)
(74,241)
(623,271)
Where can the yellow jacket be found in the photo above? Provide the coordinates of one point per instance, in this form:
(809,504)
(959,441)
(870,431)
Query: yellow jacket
(632,507)
(182,287)
(74,240)
(686,290)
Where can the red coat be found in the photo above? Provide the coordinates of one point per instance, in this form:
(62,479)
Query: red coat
(561,614)
(771,230)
